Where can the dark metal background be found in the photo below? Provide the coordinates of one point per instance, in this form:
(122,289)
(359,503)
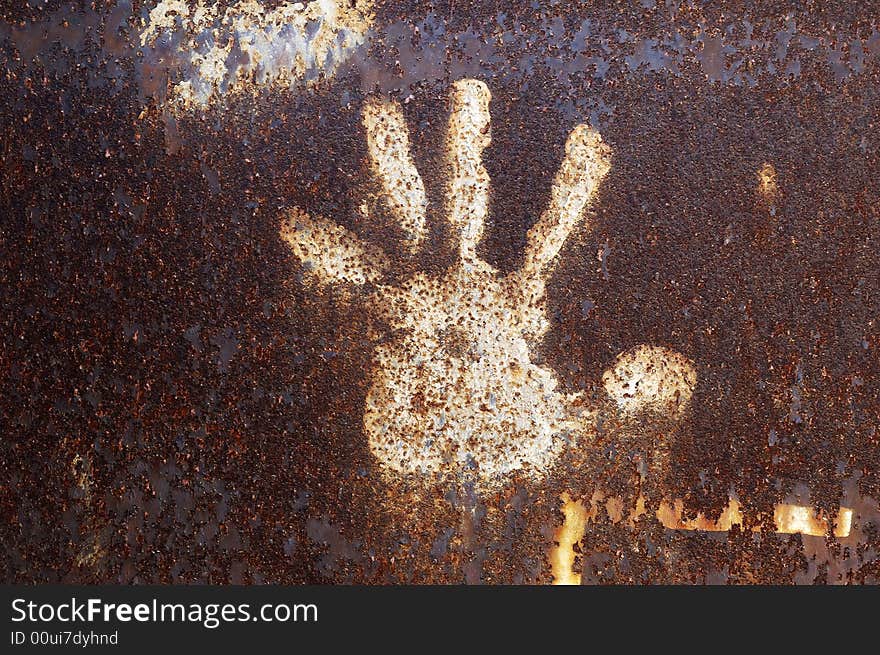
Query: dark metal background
(176,402)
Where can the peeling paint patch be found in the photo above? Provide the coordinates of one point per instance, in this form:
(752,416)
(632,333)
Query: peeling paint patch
(207,51)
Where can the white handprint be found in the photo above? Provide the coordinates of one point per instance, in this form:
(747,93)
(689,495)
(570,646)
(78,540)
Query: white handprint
(455,390)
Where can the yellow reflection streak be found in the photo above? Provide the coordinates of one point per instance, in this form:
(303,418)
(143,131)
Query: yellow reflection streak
(788,518)
(569,533)
(768,186)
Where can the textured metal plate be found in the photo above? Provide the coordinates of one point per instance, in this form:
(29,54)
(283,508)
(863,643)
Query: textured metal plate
(440,292)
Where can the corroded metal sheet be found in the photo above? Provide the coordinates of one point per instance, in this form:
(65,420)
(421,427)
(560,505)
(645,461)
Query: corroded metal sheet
(574,292)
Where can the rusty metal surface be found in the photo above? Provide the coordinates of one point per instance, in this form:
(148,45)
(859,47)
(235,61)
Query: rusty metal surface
(183,401)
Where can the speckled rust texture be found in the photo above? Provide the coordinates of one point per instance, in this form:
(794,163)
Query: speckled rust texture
(177,406)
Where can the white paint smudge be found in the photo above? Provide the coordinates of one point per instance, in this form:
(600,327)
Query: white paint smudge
(651,378)
(207,50)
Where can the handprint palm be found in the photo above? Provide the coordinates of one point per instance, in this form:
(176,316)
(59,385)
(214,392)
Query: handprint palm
(456,390)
